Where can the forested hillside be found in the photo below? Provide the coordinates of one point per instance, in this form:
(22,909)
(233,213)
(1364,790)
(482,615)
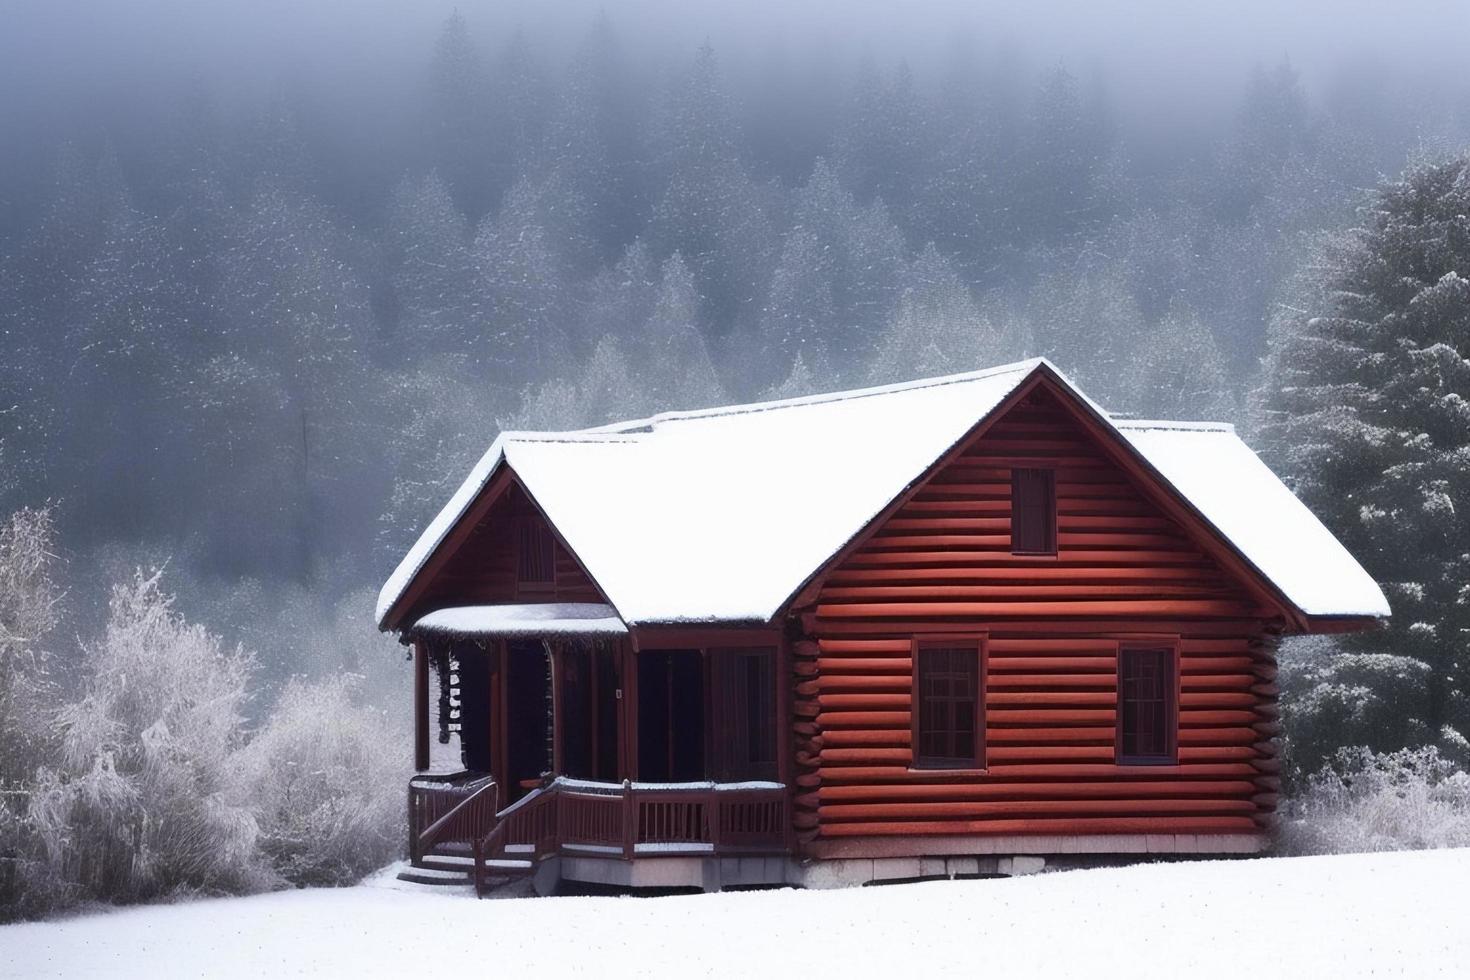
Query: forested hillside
(256,324)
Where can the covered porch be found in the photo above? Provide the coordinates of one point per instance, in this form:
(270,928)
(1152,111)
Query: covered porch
(587,742)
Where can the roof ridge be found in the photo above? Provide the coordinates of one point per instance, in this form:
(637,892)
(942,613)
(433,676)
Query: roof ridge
(802,401)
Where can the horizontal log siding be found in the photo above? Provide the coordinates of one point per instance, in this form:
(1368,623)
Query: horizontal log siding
(942,564)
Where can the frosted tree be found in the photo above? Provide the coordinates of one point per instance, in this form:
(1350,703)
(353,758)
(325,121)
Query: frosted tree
(879,150)
(1085,317)
(838,277)
(139,804)
(594,135)
(605,390)
(1272,127)
(619,296)
(523,276)
(1365,408)
(435,280)
(288,274)
(1178,372)
(29,597)
(709,210)
(456,122)
(937,328)
(671,352)
(518,112)
(322,781)
(799,381)
(800,308)
(445,418)
(1060,179)
(959,201)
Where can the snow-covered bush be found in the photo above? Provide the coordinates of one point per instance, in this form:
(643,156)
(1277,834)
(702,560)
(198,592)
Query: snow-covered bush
(1367,801)
(324,779)
(138,804)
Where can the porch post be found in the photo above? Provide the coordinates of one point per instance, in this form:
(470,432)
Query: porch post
(420,706)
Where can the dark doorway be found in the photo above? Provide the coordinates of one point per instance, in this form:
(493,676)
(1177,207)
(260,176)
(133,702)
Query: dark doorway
(588,725)
(527,710)
(476,665)
(670,716)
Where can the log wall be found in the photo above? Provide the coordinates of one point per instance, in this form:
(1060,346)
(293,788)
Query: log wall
(483,570)
(1124,571)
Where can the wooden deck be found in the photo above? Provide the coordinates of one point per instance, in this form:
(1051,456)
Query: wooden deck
(455,824)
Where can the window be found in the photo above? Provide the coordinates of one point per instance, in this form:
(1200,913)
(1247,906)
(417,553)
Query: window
(535,564)
(1033,512)
(948,724)
(743,697)
(1147,706)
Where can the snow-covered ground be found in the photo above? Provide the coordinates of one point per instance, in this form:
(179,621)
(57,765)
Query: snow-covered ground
(1381,914)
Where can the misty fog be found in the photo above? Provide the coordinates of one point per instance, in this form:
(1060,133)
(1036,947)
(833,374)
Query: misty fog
(272,275)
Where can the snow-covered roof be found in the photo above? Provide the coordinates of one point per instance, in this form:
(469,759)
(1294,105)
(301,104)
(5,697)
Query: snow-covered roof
(524,619)
(721,515)
(1226,482)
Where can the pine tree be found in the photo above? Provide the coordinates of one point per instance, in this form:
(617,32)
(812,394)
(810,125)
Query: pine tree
(523,276)
(672,356)
(1060,186)
(1178,372)
(594,137)
(1084,316)
(881,148)
(456,119)
(709,209)
(434,279)
(837,280)
(1273,127)
(937,328)
(521,104)
(1365,409)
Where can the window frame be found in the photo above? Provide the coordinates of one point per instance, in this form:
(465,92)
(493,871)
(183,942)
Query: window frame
(1170,645)
(981,643)
(1049,549)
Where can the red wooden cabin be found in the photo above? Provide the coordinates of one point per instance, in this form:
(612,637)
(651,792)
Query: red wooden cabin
(915,630)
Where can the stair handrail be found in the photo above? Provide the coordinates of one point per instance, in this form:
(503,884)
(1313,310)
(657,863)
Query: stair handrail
(464,821)
(492,843)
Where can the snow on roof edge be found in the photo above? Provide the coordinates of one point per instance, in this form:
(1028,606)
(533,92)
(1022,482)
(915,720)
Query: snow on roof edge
(644,424)
(408,568)
(523,619)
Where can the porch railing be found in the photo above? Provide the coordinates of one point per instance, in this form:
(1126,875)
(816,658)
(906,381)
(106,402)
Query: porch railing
(621,820)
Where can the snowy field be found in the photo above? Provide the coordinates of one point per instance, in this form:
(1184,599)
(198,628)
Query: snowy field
(1356,915)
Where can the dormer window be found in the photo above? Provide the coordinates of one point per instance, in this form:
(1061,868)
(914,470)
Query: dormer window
(535,560)
(1033,512)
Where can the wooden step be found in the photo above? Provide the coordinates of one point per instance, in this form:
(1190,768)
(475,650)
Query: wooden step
(433,876)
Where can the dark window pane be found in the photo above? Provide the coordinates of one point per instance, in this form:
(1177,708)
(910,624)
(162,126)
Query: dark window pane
(1033,511)
(1146,705)
(946,697)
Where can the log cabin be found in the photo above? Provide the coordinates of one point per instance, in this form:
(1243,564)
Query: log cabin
(959,626)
